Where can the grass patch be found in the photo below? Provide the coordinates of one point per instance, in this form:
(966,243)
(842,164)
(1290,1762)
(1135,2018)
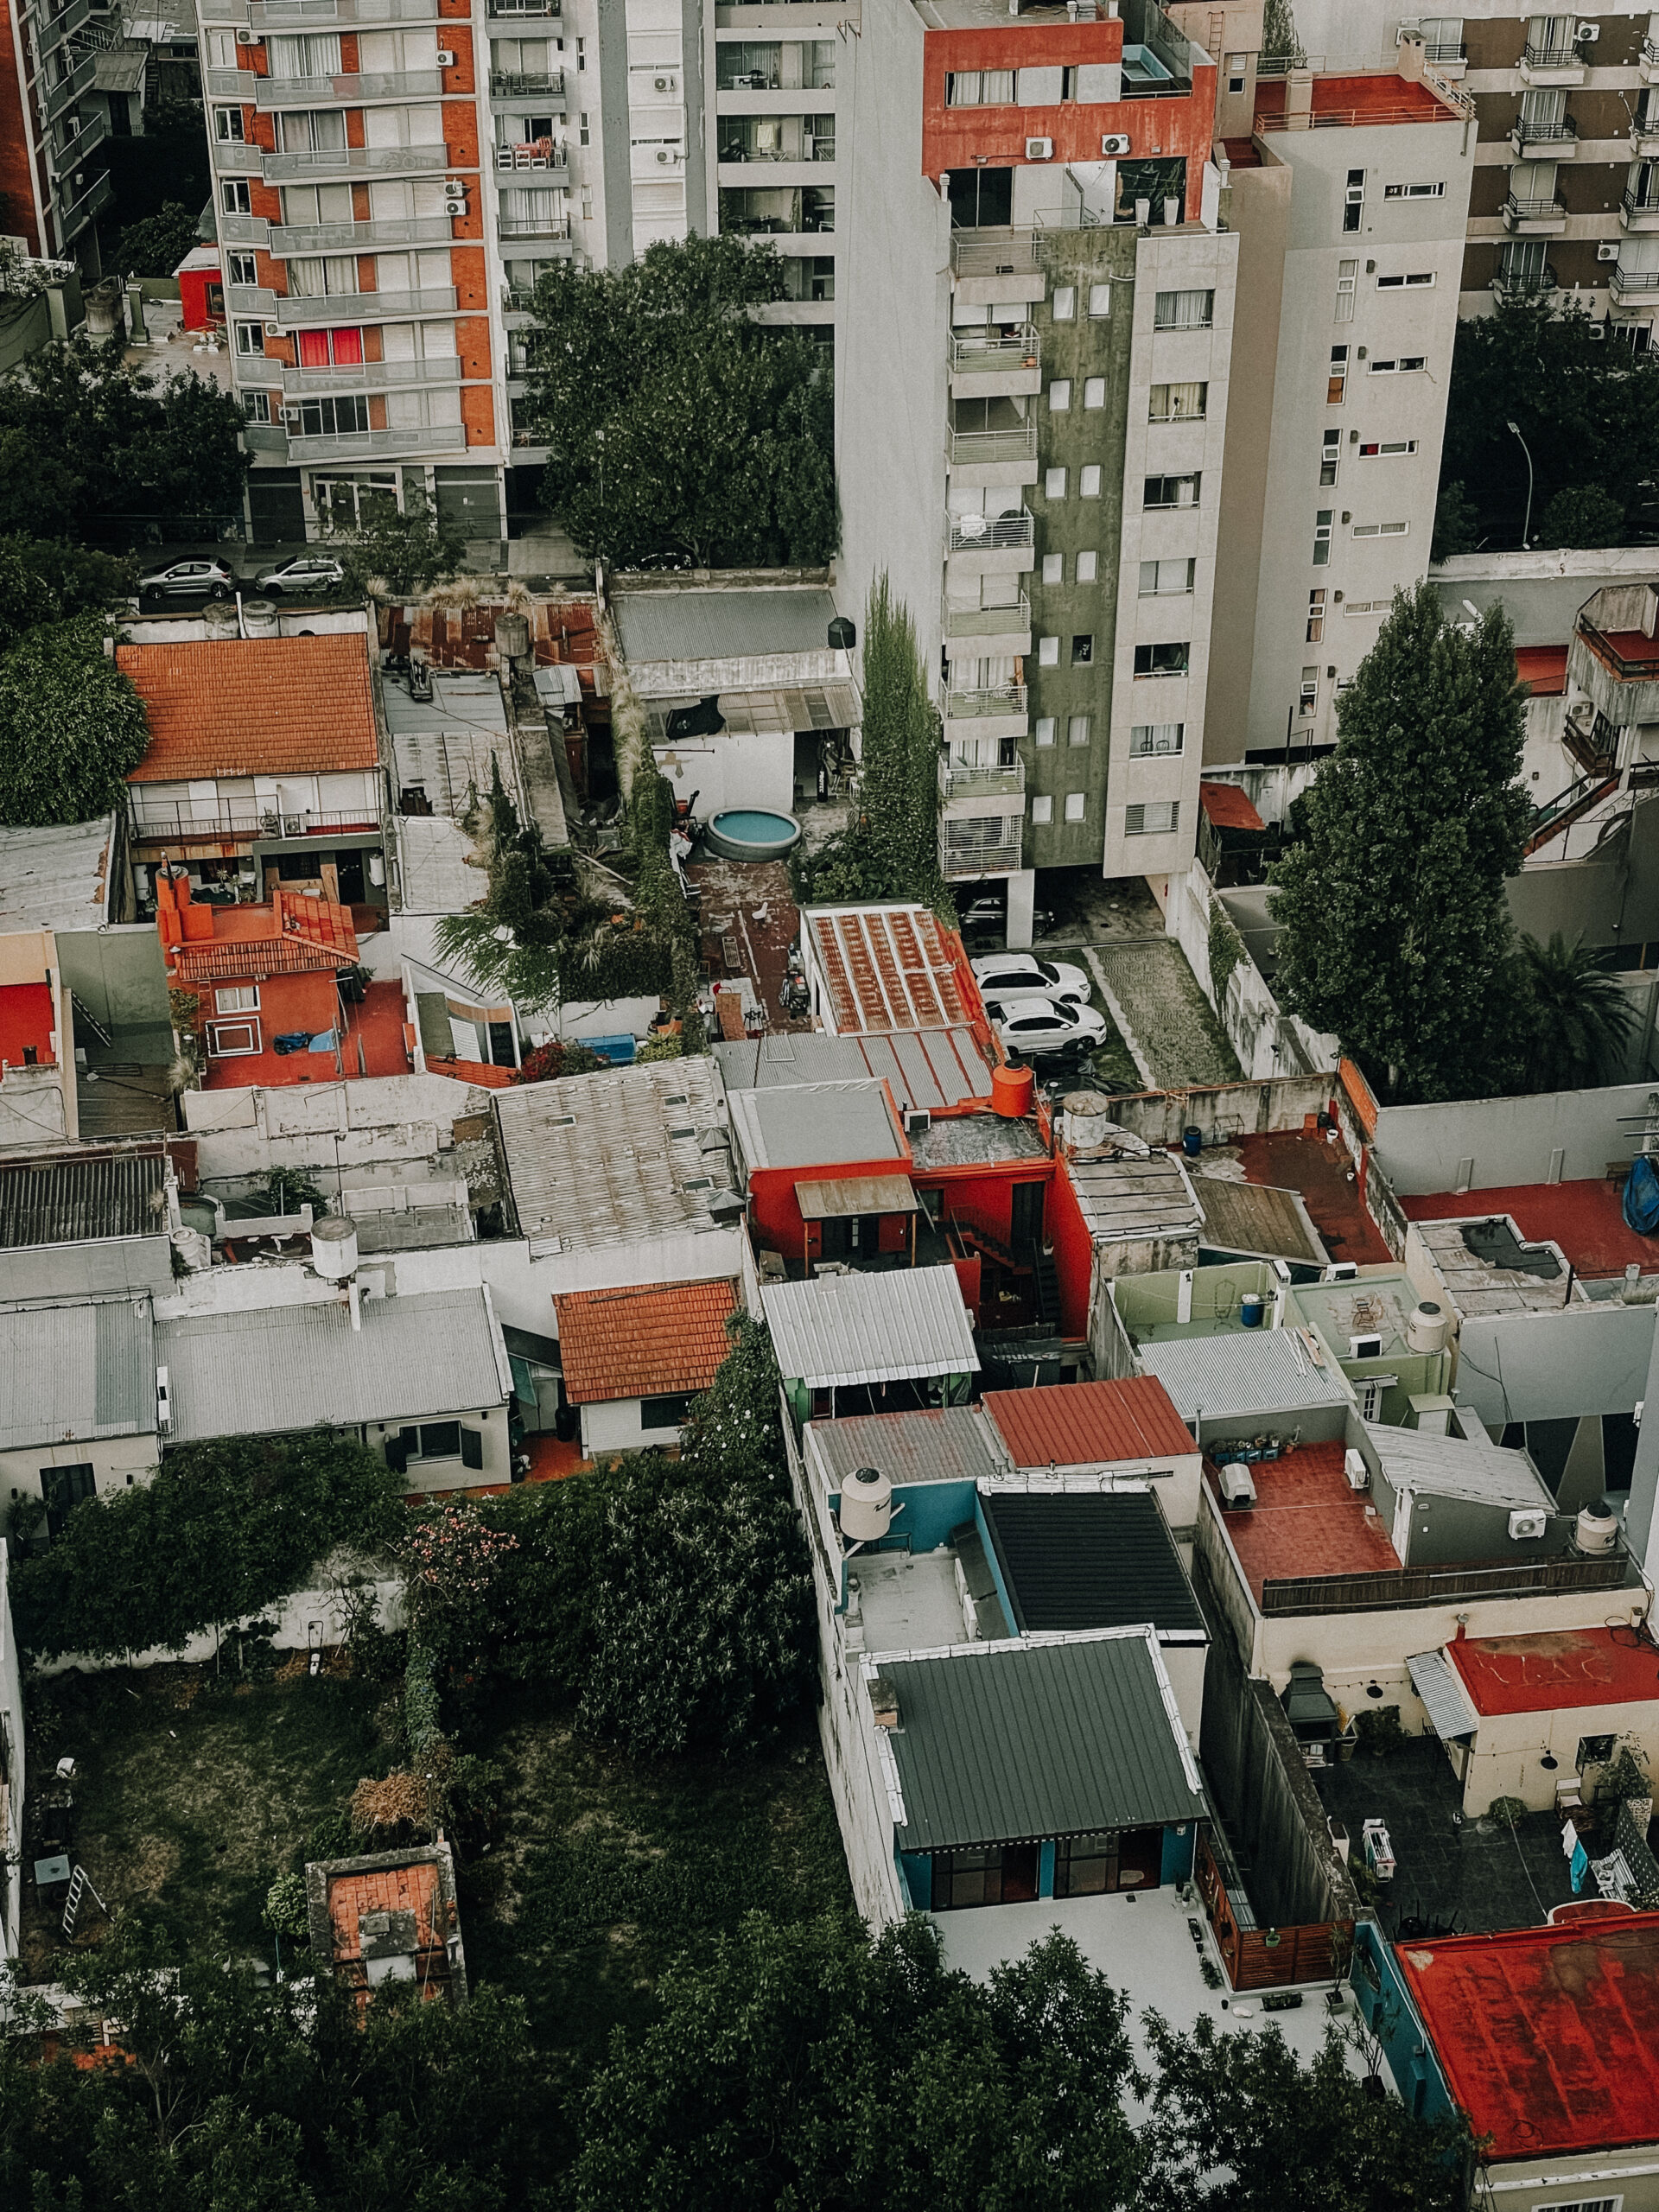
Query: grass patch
(1112,1061)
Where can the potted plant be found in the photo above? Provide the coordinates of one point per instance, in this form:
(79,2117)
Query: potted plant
(1378,1731)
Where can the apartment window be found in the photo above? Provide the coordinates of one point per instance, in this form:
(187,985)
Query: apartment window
(1077,806)
(1089,480)
(1442,38)
(1087,566)
(1235,68)
(583,136)
(1353,200)
(1100,300)
(243,269)
(1042,809)
(1044,733)
(1094,391)
(250,337)
(1059,395)
(1184,310)
(1338,383)
(322,130)
(342,418)
(1163,660)
(333,275)
(1078,730)
(1147,739)
(256,405)
(1048,652)
(1330,456)
(1322,522)
(237,998)
(1403,366)
(1308,695)
(315,54)
(1053,568)
(1083,650)
(1384,449)
(1347,280)
(1380,529)
(1414,280)
(233,1040)
(235,197)
(1413,192)
(979,88)
(227,125)
(1065,303)
(1166,579)
(1177,403)
(1156,818)
(1054,483)
(581,53)
(672,1412)
(1172,491)
(1316,615)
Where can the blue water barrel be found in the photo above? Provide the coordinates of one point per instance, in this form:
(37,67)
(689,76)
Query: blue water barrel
(1249,1309)
(1192,1141)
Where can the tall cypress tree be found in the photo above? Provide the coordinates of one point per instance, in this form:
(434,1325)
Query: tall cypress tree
(1394,934)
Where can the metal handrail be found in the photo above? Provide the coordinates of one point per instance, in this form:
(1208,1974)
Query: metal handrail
(357,238)
(994,253)
(984,860)
(1023,350)
(970,706)
(1542,134)
(288,309)
(507,85)
(987,533)
(1544,56)
(1634,281)
(1535,211)
(989,622)
(975,779)
(1527,287)
(1634,204)
(1646,670)
(967,447)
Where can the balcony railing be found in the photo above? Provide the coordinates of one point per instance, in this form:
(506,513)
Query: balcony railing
(360,238)
(976,706)
(256,299)
(1627,669)
(357,161)
(356,307)
(266,437)
(68,89)
(157,818)
(1634,284)
(372,376)
(1542,54)
(233,158)
(983,860)
(1444,53)
(534,226)
(991,533)
(549,168)
(968,448)
(1527,134)
(517,12)
(420,438)
(74,215)
(1644,137)
(507,85)
(1552,210)
(233,84)
(51,30)
(971,350)
(994,253)
(244,230)
(989,622)
(1525,284)
(314,15)
(351,91)
(973,779)
(1636,211)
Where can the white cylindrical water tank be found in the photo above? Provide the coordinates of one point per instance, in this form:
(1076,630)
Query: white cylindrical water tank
(866,1506)
(1427,1328)
(334,1248)
(259,617)
(1088,1120)
(377,869)
(1598,1527)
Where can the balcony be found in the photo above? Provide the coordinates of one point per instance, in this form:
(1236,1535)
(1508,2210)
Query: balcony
(357,238)
(986,632)
(52,30)
(555,229)
(94,129)
(355,307)
(267,438)
(990,266)
(356,161)
(349,92)
(981,545)
(1644,138)
(552,167)
(257,299)
(1640,287)
(1447,57)
(320,15)
(372,376)
(509,90)
(73,215)
(509,12)
(1535,218)
(1545,142)
(361,445)
(233,84)
(232,158)
(983,717)
(1525,284)
(1542,63)
(1639,215)
(243,230)
(970,863)
(993,457)
(1647,61)
(64,94)
(985,365)
(964,779)
(156,819)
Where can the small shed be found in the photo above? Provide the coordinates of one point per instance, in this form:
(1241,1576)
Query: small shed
(201,289)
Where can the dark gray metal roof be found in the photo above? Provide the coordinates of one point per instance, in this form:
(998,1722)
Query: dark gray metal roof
(68,1373)
(65,1201)
(734,625)
(927,1068)
(822,1125)
(998,1743)
(942,1445)
(1093,1559)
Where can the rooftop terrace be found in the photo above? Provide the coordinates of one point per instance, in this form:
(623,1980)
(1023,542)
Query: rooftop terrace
(1322,1174)
(1355,103)
(1583,1218)
(1306,1521)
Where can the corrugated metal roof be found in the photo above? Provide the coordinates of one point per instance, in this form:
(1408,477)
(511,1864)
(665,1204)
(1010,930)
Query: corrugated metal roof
(928,1068)
(838,1329)
(58,877)
(65,1201)
(1446,1701)
(601,1160)
(945,1444)
(1457,1467)
(1253,1217)
(1089,1559)
(1256,1371)
(997,1743)
(885,969)
(856,1194)
(819,1125)
(1134,1197)
(1089,1424)
(69,1373)
(126,1264)
(276,1368)
(734,625)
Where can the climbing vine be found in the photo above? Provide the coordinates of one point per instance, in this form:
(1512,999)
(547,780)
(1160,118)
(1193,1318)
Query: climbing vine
(1226,950)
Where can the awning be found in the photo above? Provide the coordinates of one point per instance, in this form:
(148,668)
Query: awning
(856,1194)
(1445,1699)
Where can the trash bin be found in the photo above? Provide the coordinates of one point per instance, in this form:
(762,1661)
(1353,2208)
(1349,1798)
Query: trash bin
(1192,1140)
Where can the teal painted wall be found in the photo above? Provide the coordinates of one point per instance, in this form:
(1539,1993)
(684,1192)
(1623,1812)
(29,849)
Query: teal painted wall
(1046,1872)
(1178,1852)
(931,1511)
(916,1878)
(1385,2004)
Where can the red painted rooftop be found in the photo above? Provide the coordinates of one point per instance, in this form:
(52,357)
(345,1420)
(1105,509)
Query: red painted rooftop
(1584,1218)
(1356,100)
(1627,645)
(1556,1672)
(1306,1521)
(642,1344)
(25,1020)
(1321,1174)
(1088,1424)
(1543,667)
(1548,2037)
(1229,808)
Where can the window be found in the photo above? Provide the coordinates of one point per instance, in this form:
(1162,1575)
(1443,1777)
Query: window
(1177,403)
(1347,279)
(65,1488)
(1048,652)
(342,418)
(1308,692)
(1338,383)
(1044,733)
(1147,739)
(1594,1750)
(243,269)
(1384,447)
(1083,650)
(1442,38)
(1042,811)
(227,125)
(1163,660)
(979,88)
(1089,480)
(1330,456)
(233,1040)
(1402,367)
(1086,1865)
(335,274)
(1077,730)
(1322,522)
(1236,67)
(256,405)
(235,196)
(1353,200)
(1054,483)
(1053,568)
(1155,818)
(342,348)
(1414,279)
(437,1439)
(237,998)
(250,337)
(1166,579)
(1059,395)
(1171,490)
(671,1411)
(1586,2204)
(584,136)
(1087,565)
(1100,300)
(313,55)
(1065,303)
(1094,391)
(1413,192)
(1184,310)
(1077,806)
(1316,615)
(1380,529)
(323,131)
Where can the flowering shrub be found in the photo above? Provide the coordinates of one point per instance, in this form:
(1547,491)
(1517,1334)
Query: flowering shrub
(548,1062)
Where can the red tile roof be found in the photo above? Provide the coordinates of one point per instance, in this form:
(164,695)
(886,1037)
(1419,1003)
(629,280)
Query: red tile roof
(385,1889)
(1543,667)
(1547,2035)
(642,1344)
(1229,808)
(294,935)
(253,706)
(1553,1673)
(1089,1424)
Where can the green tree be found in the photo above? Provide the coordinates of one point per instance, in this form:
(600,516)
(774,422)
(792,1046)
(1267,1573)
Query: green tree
(735,1430)
(44,579)
(285,1190)
(1457,525)
(677,425)
(1278,39)
(393,555)
(155,244)
(1580,1019)
(1394,932)
(1583,515)
(71,727)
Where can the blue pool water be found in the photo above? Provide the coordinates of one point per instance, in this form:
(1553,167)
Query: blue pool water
(753,826)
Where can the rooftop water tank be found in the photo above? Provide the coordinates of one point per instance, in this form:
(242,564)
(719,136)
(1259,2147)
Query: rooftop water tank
(511,636)
(259,617)
(1598,1527)
(1427,1328)
(1088,1120)
(334,1248)
(866,1505)
(1011,1091)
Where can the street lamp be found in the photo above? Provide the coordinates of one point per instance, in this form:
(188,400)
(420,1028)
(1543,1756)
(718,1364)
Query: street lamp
(1525,527)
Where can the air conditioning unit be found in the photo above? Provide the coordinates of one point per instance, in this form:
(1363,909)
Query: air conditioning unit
(293,825)
(250,38)
(273,330)
(1342,1270)
(662,84)
(454,206)
(456,186)
(1585,33)
(1597,330)
(1528,1524)
(1114,143)
(446,61)
(1354,1468)
(667,155)
(290,422)
(918,1121)
(1364,1347)
(1607,250)
(1040,149)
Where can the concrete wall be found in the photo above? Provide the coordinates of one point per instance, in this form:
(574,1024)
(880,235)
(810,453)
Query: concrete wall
(730,769)
(11,1725)
(1560,1136)
(1504,1758)
(117,973)
(319,1607)
(488,1423)
(616,1426)
(1268,1042)
(1224,1111)
(117,1462)
(398,1117)
(1582,1360)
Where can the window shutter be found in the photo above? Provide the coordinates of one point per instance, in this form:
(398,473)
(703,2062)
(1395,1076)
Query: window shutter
(472,1447)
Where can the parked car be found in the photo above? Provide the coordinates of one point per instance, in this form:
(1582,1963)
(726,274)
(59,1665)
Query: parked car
(197,579)
(305,572)
(1008,975)
(1030,1025)
(981,915)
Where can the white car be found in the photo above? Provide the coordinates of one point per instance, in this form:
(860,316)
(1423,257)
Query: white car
(1029,1025)
(1022,974)
(306,572)
(211,579)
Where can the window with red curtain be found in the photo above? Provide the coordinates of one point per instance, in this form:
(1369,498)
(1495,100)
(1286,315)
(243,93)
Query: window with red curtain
(348,348)
(313,349)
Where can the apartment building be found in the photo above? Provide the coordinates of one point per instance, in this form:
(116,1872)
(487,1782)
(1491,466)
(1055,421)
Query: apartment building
(61,93)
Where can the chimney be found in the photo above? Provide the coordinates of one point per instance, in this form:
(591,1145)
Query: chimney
(884,1701)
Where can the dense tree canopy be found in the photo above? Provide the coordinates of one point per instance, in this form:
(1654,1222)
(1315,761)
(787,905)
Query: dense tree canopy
(393,554)
(1394,934)
(155,244)
(1580,1018)
(677,425)
(44,580)
(71,726)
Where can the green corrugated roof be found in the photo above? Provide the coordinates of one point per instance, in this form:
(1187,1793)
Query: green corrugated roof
(998,1744)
